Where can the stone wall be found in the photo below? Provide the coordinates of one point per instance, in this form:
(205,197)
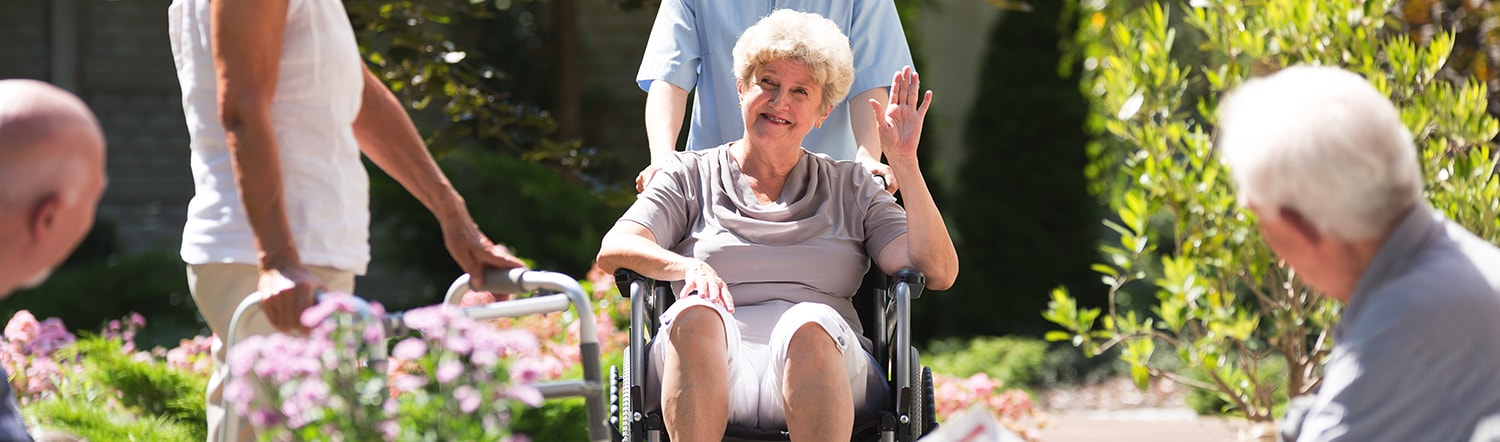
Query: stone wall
(114,54)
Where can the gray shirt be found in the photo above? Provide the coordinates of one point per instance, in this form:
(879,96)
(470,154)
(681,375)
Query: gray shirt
(813,244)
(12,426)
(1417,353)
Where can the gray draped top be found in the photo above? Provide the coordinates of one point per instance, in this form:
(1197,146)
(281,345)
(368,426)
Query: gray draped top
(813,244)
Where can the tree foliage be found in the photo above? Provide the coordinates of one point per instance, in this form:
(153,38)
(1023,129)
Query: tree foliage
(1217,297)
(471,73)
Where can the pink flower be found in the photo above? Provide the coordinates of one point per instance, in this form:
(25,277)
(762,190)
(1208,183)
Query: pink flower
(468,398)
(374,333)
(390,429)
(39,376)
(335,302)
(191,355)
(22,327)
(430,320)
(525,393)
(264,418)
(410,348)
(525,371)
(449,370)
(51,335)
(458,344)
(473,299)
(239,393)
(405,383)
(484,359)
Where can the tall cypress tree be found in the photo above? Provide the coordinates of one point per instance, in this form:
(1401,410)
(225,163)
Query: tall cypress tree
(1025,219)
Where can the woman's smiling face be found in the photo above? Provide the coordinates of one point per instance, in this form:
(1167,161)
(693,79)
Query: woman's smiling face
(782,104)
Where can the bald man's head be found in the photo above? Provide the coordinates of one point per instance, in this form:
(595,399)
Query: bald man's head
(51,177)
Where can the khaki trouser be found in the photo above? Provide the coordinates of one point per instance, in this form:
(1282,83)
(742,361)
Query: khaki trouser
(218,289)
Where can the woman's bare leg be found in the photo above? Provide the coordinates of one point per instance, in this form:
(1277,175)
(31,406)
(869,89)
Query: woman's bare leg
(819,405)
(695,380)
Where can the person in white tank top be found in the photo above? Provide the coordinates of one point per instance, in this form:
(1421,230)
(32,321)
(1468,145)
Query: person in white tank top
(279,108)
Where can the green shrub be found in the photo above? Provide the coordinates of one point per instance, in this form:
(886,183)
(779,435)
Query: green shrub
(1015,360)
(559,420)
(88,294)
(1238,321)
(117,397)
(148,386)
(86,418)
(1066,365)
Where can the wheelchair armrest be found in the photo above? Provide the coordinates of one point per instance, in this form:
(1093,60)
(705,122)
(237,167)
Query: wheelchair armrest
(911,277)
(623,278)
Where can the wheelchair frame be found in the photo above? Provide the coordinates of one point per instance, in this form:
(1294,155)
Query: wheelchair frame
(555,292)
(888,319)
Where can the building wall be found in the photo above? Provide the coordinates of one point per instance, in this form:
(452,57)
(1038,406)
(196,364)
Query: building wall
(115,55)
(613,107)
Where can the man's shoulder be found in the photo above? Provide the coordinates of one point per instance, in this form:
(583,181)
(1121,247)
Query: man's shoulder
(1450,291)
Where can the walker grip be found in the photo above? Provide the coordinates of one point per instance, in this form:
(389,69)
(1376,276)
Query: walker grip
(504,281)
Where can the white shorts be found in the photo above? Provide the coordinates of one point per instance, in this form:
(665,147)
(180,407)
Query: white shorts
(757,360)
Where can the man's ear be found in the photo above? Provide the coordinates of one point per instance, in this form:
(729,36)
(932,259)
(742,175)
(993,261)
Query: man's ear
(43,216)
(1301,225)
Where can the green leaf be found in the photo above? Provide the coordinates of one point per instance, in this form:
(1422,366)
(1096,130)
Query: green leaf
(1141,376)
(1057,336)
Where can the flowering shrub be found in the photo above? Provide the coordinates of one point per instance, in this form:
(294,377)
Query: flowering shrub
(101,387)
(27,354)
(457,380)
(1012,407)
(191,355)
(558,333)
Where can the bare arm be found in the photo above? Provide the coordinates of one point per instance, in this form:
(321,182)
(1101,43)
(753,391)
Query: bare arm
(665,105)
(246,43)
(926,244)
(632,246)
(247,57)
(387,135)
(867,136)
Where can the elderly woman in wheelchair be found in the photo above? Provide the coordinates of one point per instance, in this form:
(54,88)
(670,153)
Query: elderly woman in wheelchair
(767,243)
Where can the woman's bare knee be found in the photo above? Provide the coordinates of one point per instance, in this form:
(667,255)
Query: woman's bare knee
(698,331)
(696,321)
(812,338)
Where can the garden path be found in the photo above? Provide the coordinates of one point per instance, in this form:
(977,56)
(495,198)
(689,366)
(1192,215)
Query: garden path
(1115,410)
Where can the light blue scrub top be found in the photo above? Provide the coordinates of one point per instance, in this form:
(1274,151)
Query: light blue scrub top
(692,42)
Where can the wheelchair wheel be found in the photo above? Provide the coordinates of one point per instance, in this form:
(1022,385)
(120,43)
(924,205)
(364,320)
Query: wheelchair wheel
(625,415)
(620,428)
(929,403)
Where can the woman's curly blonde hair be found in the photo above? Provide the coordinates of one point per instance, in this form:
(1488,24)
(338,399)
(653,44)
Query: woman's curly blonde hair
(803,37)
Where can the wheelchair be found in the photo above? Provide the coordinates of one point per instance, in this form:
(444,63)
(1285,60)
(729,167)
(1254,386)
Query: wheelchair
(884,309)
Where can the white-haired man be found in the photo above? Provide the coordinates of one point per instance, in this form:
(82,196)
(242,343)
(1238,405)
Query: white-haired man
(1325,163)
(51,177)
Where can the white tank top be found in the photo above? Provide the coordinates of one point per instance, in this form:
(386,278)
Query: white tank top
(317,98)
